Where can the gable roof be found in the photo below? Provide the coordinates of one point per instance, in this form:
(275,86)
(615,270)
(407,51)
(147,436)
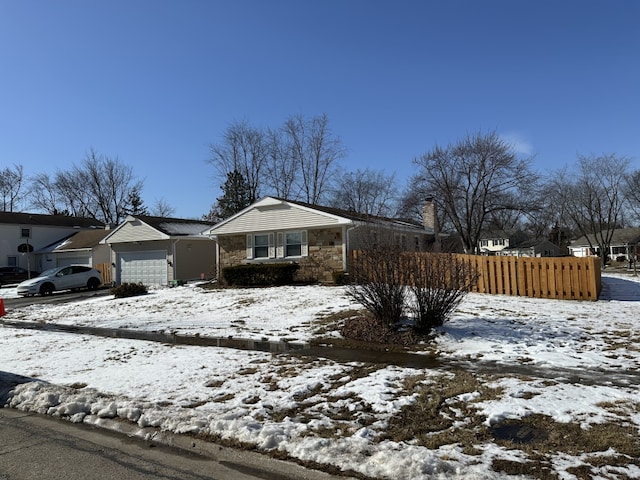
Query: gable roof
(621,236)
(82,240)
(175,226)
(532,243)
(48,220)
(356,216)
(156,228)
(261,215)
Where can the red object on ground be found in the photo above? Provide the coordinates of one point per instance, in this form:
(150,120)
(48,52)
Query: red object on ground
(2,311)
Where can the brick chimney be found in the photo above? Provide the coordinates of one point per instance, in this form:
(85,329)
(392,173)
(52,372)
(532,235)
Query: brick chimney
(429,218)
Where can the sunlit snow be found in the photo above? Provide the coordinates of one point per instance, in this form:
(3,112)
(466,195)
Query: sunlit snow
(284,402)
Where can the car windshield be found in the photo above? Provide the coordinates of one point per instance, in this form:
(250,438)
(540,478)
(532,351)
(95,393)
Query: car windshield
(51,271)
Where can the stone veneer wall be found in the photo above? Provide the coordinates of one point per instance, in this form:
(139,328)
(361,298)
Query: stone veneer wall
(325,254)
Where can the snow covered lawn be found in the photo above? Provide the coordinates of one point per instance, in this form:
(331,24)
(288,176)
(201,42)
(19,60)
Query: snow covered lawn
(378,420)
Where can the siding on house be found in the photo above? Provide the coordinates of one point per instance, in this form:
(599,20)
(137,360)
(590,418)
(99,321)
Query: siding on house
(284,216)
(135,231)
(42,230)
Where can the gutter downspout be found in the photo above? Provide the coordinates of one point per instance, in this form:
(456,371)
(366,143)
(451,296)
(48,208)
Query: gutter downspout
(215,239)
(347,247)
(173,258)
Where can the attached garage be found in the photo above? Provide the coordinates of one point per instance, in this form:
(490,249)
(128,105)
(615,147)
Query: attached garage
(148,267)
(158,250)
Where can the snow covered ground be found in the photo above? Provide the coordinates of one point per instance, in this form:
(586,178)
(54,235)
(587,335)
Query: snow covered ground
(342,414)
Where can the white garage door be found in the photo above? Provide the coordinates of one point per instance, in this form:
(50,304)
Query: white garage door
(149,267)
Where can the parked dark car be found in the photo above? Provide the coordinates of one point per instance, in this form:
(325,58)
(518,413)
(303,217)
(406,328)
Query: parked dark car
(13,275)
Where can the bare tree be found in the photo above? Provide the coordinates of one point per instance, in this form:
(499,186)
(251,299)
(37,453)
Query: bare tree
(632,193)
(549,220)
(11,191)
(475,180)
(162,208)
(595,198)
(282,166)
(72,193)
(316,151)
(99,187)
(366,191)
(243,149)
(44,195)
(104,186)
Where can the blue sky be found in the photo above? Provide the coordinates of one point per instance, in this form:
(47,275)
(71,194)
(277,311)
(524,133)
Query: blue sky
(155,82)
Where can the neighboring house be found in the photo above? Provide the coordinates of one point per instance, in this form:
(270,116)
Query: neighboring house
(22,234)
(493,242)
(80,248)
(317,238)
(158,250)
(625,242)
(534,248)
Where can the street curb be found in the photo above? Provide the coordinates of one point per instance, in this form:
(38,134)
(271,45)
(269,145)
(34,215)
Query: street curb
(244,461)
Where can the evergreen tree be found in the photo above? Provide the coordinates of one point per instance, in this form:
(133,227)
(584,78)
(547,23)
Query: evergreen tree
(135,205)
(236,195)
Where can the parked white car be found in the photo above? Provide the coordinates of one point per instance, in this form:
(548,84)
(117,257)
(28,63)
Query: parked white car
(61,278)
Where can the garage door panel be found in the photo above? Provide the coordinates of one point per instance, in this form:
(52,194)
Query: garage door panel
(148,267)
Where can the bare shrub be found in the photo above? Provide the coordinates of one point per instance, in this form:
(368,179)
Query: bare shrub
(128,290)
(377,283)
(438,282)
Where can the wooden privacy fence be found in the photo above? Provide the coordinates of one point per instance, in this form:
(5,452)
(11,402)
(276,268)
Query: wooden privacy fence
(569,278)
(105,269)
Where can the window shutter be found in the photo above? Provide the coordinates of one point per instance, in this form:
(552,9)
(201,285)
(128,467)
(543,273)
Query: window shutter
(280,237)
(272,248)
(249,247)
(304,247)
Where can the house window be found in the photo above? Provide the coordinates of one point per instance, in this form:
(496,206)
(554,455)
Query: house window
(12,261)
(484,243)
(401,241)
(416,242)
(25,233)
(293,244)
(261,246)
(289,244)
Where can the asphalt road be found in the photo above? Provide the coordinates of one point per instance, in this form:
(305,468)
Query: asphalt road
(56,297)
(34,446)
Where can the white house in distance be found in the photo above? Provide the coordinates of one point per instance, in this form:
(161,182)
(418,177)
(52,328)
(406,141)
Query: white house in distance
(625,242)
(317,238)
(158,250)
(493,242)
(22,234)
(533,248)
